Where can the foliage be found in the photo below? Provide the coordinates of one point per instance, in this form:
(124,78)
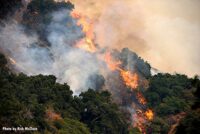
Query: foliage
(38,101)
(190,124)
(159,126)
(70,126)
(168,95)
(169,91)
(134,131)
(98,112)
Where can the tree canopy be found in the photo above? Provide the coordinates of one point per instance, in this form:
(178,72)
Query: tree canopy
(39,101)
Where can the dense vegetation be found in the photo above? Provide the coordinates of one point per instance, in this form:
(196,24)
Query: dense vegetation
(39,101)
(190,124)
(171,97)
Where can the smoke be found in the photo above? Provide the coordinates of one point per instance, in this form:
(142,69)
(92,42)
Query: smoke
(61,59)
(165,33)
(54,50)
(16,44)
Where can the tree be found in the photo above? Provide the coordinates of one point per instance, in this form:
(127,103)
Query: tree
(190,124)
(101,115)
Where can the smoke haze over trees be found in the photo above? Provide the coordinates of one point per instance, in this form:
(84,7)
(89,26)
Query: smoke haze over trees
(47,82)
(40,102)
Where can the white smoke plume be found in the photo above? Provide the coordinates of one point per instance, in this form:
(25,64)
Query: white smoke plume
(165,33)
(55,52)
(70,65)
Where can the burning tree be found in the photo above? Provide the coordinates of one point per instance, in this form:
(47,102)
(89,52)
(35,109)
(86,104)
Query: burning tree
(54,39)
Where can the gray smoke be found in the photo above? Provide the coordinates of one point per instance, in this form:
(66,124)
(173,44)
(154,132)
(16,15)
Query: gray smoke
(52,51)
(69,64)
(58,56)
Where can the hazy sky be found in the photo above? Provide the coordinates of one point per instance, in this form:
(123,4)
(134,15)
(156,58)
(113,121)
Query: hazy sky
(166,33)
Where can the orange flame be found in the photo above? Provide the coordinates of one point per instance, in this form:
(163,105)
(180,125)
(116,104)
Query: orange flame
(86,43)
(131,80)
(141,98)
(140,120)
(112,65)
(149,114)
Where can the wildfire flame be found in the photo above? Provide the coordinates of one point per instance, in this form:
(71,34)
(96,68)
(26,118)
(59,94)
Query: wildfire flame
(86,43)
(141,98)
(139,121)
(149,114)
(131,80)
(112,65)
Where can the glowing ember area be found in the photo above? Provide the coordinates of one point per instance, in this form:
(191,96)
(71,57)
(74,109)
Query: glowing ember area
(131,80)
(141,98)
(86,43)
(149,114)
(140,127)
(112,65)
(139,121)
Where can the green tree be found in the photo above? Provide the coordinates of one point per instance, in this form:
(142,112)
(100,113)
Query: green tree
(190,124)
(101,115)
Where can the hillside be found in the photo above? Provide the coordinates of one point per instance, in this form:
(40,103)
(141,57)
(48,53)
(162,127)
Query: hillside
(55,78)
(38,101)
